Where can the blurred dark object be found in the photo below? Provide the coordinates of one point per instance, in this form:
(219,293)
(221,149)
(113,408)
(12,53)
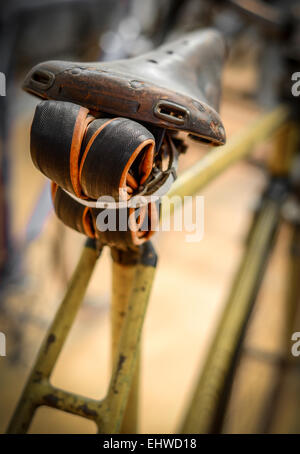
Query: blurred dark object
(32,31)
(271,28)
(276,25)
(53,28)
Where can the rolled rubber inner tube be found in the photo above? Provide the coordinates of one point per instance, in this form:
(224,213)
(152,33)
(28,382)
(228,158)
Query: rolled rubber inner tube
(139,223)
(90,158)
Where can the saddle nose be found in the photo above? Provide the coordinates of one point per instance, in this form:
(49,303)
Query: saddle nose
(42,77)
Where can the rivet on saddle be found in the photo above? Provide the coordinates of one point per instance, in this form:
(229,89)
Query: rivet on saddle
(176,86)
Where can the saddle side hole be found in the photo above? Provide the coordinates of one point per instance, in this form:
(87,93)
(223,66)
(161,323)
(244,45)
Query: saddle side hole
(171,112)
(42,78)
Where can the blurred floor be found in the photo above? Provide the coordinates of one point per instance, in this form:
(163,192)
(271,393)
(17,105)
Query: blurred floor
(191,284)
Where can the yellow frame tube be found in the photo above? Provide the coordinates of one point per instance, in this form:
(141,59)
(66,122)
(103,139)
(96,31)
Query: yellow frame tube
(202,414)
(38,390)
(109,412)
(219,159)
(122,282)
(275,419)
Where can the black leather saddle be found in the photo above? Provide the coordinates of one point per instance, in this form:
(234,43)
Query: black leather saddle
(176,86)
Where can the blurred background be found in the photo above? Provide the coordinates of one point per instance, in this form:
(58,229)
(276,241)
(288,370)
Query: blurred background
(38,254)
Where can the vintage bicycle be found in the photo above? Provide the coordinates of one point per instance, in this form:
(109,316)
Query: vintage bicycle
(111,129)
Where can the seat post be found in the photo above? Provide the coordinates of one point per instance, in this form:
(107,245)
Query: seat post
(123,271)
(132,283)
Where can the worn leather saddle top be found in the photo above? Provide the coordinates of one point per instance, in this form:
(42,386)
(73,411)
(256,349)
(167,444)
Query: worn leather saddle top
(176,86)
